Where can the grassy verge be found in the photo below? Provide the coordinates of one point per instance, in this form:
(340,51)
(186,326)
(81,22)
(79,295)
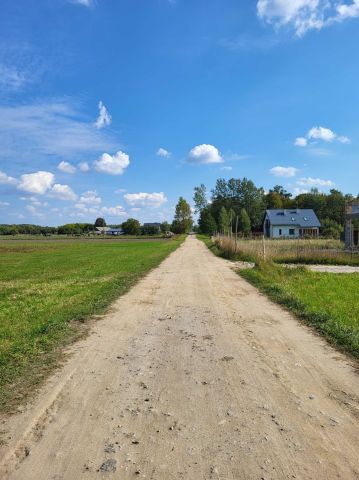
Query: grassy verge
(48,290)
(325,301)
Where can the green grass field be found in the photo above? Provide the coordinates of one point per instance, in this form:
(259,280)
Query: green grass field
(328,302)
(48,289)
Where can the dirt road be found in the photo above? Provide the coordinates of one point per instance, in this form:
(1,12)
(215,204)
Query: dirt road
(192,375)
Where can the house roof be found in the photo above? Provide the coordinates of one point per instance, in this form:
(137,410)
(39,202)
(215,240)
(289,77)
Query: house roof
(302,217)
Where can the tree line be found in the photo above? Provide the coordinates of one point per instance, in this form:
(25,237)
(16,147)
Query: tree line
(241,202)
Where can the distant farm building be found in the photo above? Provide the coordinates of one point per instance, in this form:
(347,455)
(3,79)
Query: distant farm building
(291,223)
(108,231)
(114,231)
(352,224)
(101,230)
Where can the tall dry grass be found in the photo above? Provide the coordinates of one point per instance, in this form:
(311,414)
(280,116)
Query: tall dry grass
(322,251)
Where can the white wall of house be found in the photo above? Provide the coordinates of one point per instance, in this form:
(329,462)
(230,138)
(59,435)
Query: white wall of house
(279,231)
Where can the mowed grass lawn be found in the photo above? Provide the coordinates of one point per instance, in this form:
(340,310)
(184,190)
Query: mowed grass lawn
(327,301)
(48,289)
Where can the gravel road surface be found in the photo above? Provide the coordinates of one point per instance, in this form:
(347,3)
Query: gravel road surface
(192,375)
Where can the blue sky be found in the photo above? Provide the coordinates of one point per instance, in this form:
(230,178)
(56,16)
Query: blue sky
(115,108)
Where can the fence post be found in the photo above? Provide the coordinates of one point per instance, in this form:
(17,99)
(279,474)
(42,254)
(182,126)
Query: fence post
(264,248)
(236,233)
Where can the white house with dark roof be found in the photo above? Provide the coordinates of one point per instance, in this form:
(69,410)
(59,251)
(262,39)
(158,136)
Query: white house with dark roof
(291,223)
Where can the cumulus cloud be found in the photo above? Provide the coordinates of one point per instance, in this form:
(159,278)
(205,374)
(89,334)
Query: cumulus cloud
(314,182)
(112,164)
(66,167)
(90,198)
(84,167)
(301,142)
(117,211)
(5,179)
(284,171)
(320,133)
(205,154)
(305,15)
(62,192)
(38,183)
(104,118)
(162,152)
(145,199)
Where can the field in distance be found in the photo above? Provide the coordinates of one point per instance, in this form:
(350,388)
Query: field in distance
(48,289)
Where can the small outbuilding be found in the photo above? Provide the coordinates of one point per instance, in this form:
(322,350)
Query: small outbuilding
(352,224)
(291,223)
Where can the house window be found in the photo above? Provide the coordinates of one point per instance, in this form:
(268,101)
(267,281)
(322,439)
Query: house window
(280,231)
(291,231)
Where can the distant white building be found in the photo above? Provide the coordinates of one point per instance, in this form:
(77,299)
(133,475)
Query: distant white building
(291,223)
(101,230)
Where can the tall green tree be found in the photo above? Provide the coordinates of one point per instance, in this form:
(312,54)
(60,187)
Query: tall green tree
(131,227)
(165,227)
(183,221)
(206,222)
(244,222)
(223,221)
(200,198)
(100,222)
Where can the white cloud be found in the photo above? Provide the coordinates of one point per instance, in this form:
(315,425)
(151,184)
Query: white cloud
(145,199)
(66,167)
(90,198)
(33,211)
(299,191)
(284,171)
(104,118)
(301,142)
(226,168)
(52,128)
(343,139)
(162,152)
(84,167)
(4,204)
(11,78)
(205,154)
(112,164)
(5,179)
(116,211)
(320,133)
(85,3)
(348,11)
(62,192)
(38,183)
(305,15)
(314,182)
